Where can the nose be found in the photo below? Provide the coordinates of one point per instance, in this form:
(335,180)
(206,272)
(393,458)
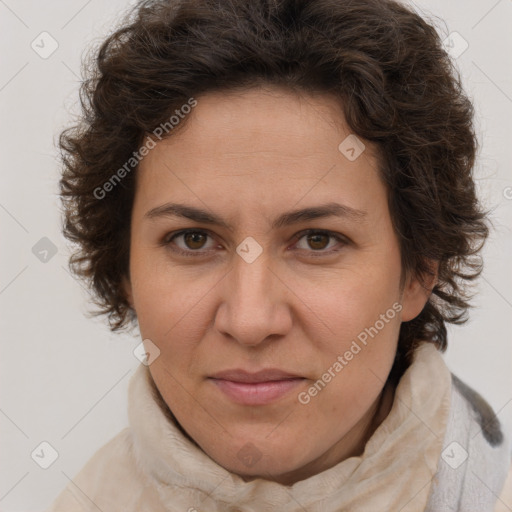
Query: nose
(255,303)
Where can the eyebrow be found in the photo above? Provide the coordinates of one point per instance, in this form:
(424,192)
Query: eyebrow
(285,219)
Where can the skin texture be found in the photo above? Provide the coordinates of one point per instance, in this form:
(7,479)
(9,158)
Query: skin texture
(248,157)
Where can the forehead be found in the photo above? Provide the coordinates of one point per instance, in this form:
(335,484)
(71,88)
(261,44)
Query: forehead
(260,146)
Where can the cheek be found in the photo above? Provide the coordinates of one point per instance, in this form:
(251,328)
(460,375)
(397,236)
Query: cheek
(161,293)
(360,312)
(351,300)
(361,343)
(356,360)
(171,306)
(169,311)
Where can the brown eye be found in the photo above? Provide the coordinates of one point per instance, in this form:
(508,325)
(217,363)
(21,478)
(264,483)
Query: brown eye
(318,241)
(194,239)
(189,242)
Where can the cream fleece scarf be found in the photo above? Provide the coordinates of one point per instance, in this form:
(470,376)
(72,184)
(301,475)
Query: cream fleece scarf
(151,466)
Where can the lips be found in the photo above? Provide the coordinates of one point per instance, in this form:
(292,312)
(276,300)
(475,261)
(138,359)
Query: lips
(268,375)
(260,388)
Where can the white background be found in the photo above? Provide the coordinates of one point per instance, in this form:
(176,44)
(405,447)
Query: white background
(64,376)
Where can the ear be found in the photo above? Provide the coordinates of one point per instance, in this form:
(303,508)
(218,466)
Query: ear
(127,288)
(417,290)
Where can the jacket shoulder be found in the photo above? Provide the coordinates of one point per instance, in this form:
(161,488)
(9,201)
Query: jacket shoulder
(99,483)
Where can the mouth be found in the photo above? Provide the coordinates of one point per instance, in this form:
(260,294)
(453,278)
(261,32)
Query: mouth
(258,388)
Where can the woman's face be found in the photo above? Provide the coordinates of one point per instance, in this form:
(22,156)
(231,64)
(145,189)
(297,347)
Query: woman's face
(288,262)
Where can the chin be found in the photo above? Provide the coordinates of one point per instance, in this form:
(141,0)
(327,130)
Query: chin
(262,459)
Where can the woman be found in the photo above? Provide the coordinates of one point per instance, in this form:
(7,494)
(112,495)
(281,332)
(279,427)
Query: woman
(279,194)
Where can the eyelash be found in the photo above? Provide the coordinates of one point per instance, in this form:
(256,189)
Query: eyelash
(169,238)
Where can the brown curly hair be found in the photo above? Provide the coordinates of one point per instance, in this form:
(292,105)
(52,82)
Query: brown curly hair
(387,66)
